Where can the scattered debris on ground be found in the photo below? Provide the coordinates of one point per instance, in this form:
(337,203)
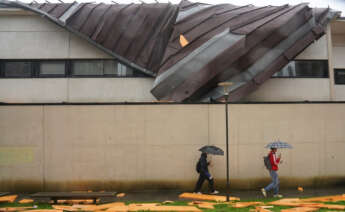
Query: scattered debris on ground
(24,201)
(207,197)
(8,198)
(120,195)
(201,202)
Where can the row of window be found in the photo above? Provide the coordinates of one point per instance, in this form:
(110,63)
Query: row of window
(310,69)
(112,68)
(304,69)
(66,68)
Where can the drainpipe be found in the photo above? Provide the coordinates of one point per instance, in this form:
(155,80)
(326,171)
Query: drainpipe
(330,62)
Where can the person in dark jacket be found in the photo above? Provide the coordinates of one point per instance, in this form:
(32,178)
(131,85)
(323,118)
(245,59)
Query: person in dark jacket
(204,174)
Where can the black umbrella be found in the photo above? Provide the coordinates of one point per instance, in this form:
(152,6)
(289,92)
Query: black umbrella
(213,150)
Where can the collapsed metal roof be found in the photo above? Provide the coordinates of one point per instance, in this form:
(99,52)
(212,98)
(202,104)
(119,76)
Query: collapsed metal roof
(245,45)
(242,44)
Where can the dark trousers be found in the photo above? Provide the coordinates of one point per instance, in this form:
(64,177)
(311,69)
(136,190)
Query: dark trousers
(202,178)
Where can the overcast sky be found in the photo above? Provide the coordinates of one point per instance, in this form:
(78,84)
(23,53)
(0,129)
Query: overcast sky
(334,4)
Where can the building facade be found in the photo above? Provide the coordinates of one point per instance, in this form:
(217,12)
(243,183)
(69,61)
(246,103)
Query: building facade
(66,125)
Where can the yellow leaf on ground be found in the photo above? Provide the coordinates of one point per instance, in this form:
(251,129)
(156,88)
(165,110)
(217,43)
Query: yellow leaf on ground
(207,206)
(120,195)
(245,204)
(143,204)
(14,209)
(65,207)
(123,208)
(261,209)
(76,201)
(44,210)
(9,198)
(23,201)
(333,198)
(85,207)
(206,197)
(300,209)
(109,205)
(146,207)
(164,208)
(201,202)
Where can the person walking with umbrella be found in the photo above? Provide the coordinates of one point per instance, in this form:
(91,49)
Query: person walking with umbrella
(202,169)
(274,161)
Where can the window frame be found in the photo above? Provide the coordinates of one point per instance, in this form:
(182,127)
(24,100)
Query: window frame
(335,73)
(2,69)
(302,77)
(35,69)
(39,75)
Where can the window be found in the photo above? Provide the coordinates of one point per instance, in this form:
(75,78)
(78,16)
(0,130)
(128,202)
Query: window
(304,69)
(66,68)
(52,68)
(123,71)
(87,68)
(110,67)
(17,69)
(339,76)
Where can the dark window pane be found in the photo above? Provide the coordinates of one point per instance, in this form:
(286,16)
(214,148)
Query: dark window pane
(52,68)
(305,68)
(87,68)
(339,76)
(18,69)
(110,67)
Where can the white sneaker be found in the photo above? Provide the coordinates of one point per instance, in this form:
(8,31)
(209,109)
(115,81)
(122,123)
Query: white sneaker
(215,192)
(263,191)
(278,196)
(197,192)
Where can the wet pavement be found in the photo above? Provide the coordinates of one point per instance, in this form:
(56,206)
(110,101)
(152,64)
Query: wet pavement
(162,195)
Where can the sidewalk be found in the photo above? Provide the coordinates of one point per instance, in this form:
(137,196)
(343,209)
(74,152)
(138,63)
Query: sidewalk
(162,195)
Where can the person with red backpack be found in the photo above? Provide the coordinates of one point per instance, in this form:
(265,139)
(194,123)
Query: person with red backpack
(274,161)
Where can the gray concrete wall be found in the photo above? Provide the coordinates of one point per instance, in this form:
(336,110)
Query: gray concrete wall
(124,147)
(292,89)
(33,37)
(57,90)
(338,41)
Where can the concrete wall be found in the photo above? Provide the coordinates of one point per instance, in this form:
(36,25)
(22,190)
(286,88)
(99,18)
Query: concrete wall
(292,89)
(55,90)
(120,147)
(316,51)
(338,41)
(34,37)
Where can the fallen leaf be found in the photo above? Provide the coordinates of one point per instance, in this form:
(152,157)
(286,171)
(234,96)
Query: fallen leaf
(9,198)
(23,201)
(120,195)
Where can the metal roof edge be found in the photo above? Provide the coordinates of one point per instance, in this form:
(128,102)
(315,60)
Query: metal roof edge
(43,14)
